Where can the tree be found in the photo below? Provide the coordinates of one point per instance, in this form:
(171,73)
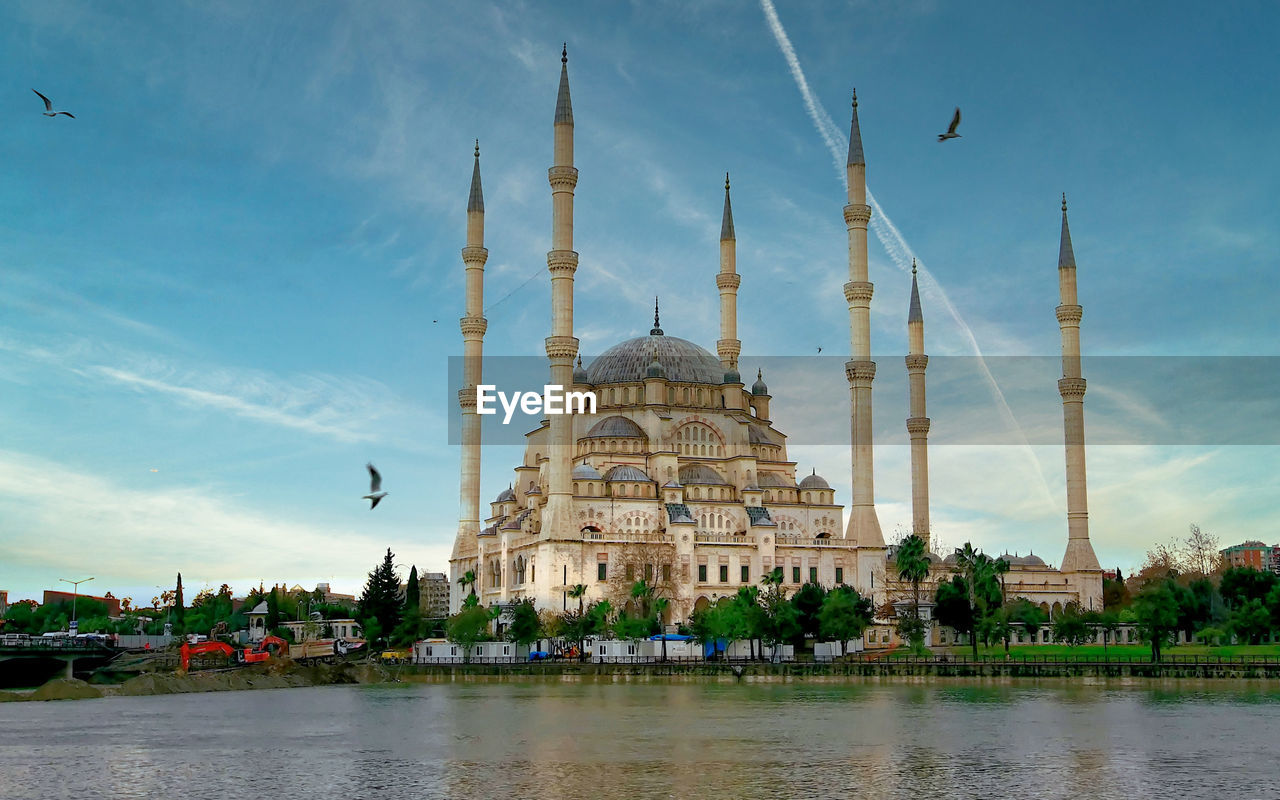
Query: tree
(781,621)
(273,610)
(912,560)
(1242,584)
(1030,615)
(1071,628)
(578,591)
(1156,612)
(526,627)
(179,613)
(412,594)
(808,601)
(468,578)
(1251,621)
(1200,552)
(381,599)
(660,607)
(712,625)
(748,617)
(466,628)
(1105,622)
(952,607)
(650,562)
(844,616)
(1115,595)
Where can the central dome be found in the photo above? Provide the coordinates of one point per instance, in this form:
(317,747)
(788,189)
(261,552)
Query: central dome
(682,360)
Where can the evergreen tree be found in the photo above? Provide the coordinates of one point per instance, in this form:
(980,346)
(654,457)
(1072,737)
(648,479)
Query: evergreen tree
(179,612)
(411,626)
(381,600)
(273,610)
(412,593)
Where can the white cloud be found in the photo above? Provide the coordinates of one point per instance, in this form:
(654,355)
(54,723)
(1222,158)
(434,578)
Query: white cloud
(58,519)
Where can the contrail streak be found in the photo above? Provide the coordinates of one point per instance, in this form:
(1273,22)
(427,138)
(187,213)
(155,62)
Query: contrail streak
(886,232)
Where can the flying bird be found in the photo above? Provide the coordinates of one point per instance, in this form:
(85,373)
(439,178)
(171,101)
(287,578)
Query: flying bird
(48,107)
(951,129)
(819,349)
(375,487)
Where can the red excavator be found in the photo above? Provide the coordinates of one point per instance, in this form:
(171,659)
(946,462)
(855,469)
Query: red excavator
(265,649)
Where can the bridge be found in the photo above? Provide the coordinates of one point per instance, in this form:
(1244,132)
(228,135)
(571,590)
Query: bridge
(65,649)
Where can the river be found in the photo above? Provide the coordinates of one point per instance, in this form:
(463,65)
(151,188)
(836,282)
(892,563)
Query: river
(564,740)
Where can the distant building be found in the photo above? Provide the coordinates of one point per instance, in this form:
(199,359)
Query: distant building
(433,593)
(333,597)
(1252,554)
(307,631)
(1275,558)
(55,596)
(257,622)
(4,602)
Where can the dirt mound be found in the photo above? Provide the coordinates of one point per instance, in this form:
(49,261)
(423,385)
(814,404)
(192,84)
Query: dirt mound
(66,689)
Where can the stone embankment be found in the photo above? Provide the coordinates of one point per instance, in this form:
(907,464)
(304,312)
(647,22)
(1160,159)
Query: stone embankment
(276,676)
(854,671)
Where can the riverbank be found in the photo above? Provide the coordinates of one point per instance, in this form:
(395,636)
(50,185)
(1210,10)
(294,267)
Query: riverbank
(289,675)
(851,671)
(273,676)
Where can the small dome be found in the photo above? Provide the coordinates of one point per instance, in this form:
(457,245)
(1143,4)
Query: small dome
(625,472)
(774,480)
(615,427)
(585,472)
(1024,561)
(655,369)
(814,481)
(580,374)
(507,496)
(759,386)
(700,474)
(731,376)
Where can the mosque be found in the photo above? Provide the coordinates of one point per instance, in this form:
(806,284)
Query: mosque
(681,478)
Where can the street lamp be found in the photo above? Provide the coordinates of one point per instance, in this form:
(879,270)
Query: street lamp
(74,596)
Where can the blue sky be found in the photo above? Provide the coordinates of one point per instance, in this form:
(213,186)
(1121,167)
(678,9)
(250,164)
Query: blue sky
(235,276)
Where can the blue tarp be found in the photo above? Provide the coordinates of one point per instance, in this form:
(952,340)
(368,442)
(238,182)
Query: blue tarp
(709,649)
(670,637)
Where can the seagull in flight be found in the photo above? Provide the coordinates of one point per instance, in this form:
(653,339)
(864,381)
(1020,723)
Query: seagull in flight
(375,487)
(951,129)
(48,107)
(819,349)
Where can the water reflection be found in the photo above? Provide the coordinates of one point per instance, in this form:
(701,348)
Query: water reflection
(570,740)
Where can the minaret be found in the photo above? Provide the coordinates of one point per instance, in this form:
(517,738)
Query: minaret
(864,526)
(727,281)
(473,327)
(1079,557)
(562,262)
(918,423)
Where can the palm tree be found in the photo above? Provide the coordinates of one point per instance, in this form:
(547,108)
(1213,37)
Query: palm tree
(468,579)
(578,591)
(912,559)
(1001,568)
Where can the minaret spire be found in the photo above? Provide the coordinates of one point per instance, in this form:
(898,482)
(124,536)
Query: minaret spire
(657,326)
(918,422)
(864,525)
(729,347)
(562,347)
(466,546)
(1080,563)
